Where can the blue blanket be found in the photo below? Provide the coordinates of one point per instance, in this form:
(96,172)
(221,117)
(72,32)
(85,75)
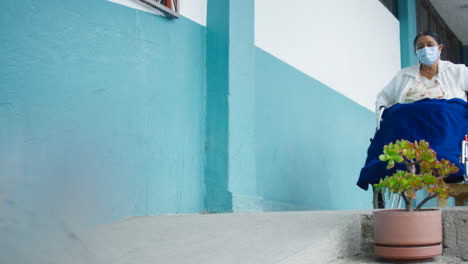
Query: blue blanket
(443,123)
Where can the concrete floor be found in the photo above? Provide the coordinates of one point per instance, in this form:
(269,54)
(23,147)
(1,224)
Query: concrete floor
(292,237)
(315,237)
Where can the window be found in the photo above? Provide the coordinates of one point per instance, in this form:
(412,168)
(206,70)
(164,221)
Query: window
(429,20)
(170,8)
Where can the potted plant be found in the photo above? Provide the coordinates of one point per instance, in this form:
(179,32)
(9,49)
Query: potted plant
(414,232)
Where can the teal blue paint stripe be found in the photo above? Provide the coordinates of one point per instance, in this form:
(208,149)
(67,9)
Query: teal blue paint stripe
(242,179)
(217,196)
(311,141)
(408,30)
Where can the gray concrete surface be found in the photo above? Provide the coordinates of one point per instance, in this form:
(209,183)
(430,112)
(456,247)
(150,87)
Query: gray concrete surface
(456,232)
(262,238)
(283,238)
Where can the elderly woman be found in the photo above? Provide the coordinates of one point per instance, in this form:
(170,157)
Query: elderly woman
(443,123)
(431,78)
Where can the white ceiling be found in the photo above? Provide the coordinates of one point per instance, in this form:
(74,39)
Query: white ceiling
(455,14)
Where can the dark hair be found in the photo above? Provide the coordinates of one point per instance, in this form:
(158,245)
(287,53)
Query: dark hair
(427,33)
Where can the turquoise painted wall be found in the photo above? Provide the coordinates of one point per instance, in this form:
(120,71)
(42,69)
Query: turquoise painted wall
(272,162)
(311,141)
(101,121)
(101,112)
(408,30)
(217,195)
(242,164)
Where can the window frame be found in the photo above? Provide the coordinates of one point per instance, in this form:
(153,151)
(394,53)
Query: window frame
(434,22)
(170,8)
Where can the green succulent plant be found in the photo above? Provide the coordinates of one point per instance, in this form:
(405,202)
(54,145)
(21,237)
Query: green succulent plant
(423,170)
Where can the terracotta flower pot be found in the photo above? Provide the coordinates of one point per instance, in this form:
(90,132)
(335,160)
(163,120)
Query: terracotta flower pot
(402,235)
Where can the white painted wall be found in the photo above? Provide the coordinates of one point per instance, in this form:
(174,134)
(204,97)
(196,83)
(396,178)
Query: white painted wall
(194,10)
(351,46)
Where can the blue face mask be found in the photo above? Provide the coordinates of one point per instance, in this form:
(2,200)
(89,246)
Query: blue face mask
(428,55)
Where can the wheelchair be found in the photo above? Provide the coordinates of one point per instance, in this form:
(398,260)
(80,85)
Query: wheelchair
(443,123)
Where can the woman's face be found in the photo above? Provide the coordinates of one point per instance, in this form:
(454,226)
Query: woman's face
(426,41)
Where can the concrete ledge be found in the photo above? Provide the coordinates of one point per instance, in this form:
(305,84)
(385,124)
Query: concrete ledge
(456,232)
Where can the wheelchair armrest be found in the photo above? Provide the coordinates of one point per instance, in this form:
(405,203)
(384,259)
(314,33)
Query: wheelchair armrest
(379,116)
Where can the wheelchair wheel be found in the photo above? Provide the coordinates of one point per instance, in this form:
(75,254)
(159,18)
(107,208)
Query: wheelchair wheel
(381,201)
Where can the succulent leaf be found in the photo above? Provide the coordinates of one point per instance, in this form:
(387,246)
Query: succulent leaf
(423,169)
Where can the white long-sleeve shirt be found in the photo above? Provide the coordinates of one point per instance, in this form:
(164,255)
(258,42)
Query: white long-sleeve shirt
(452,77)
